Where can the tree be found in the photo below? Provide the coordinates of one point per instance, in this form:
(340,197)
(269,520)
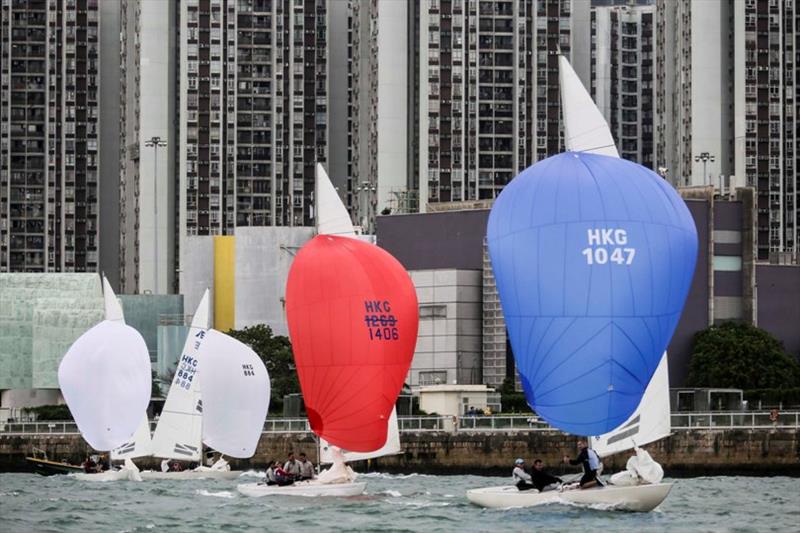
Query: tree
(276,353)
(742,356)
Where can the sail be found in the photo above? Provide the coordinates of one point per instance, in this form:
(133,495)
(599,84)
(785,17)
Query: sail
(391,447)
(113,310)
(137,446)
(332,215)
(235,395)
(585,128)
(649,423)
(105,379)
(593,257)
(352,314)
(178,434)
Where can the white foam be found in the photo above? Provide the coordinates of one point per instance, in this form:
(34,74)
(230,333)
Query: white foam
(392,493)
(252,473)
(221,494)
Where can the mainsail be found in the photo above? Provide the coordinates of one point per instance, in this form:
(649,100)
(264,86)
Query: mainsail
(178,434)
(236,392)
(649,423)
(391,447)
(332,216)
(105,379)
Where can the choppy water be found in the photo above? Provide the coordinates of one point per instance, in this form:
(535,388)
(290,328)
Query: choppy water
(393,503)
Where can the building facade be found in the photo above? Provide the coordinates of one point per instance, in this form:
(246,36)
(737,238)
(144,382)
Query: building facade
(767,139)
(622,71)
(49,136)
(726,108)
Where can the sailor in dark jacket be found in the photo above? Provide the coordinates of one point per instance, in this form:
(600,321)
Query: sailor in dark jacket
(591,463)
(540,478)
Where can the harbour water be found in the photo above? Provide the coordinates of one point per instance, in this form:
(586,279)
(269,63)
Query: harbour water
(392,503)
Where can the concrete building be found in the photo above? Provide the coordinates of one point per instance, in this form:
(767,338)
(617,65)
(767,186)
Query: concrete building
(726,108)
(147,168)
(729,283)
(51,176)
(448,347)
(622,77)
(694,90)
(767,124)
(246,274)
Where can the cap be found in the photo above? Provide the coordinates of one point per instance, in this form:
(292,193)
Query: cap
(518,462)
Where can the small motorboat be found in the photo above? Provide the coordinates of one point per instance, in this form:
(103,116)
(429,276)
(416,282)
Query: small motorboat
(45,467)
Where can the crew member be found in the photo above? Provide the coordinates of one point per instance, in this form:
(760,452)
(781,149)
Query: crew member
(591,463)
(521,478)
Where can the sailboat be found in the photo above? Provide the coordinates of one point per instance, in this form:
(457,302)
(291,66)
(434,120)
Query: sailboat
(106,382)
(594,257)
(353,318)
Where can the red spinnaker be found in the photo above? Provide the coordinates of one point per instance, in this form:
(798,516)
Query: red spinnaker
(353,318)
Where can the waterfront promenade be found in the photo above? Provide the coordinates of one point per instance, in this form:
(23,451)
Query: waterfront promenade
(701,443)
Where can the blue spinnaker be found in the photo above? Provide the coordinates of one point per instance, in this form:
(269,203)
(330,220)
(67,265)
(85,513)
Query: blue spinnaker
(593,257)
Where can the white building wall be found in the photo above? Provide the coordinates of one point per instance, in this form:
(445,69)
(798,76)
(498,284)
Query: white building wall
(156,90)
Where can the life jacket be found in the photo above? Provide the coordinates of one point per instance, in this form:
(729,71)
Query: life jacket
(594,459)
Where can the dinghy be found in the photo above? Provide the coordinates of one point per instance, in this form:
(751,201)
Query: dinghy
(593,258)
(106,382)
(353,339)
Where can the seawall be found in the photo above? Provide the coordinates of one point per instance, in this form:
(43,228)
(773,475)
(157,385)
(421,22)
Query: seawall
(685,453)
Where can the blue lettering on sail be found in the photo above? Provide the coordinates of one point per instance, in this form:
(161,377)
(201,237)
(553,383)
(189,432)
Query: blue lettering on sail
(381,324)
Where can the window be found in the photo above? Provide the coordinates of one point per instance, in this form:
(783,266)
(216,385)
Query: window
(723,263)
(432,311)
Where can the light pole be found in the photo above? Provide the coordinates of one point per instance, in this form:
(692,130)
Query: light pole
(365,187)
(705,157)
(154,143)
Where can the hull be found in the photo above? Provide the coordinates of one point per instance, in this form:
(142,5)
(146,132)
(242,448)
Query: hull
(191,474)
(46,467)
(308,489)
(109,475)
(639,498)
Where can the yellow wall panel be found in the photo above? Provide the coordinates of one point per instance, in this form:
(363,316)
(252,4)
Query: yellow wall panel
(224,282)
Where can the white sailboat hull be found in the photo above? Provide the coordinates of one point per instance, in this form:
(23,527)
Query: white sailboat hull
(109,475)
(308,489)
(191,474)
(639,498)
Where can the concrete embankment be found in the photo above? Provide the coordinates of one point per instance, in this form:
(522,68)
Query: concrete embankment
(685,453)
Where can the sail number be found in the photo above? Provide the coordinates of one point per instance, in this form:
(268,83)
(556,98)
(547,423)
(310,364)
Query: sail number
(381,322)
(608,245)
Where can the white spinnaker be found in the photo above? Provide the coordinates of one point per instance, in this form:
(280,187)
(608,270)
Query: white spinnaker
(650,422)
(105,379)
(392,446)
(236,393)
(585,128)
(179,431)
(332,215)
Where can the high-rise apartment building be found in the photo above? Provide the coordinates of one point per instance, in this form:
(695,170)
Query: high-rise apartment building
(726,108)
(694,91)
(767,127)
(253,88)
(622,77)
(148,145)
(380,136)
(488,104)
(49,135)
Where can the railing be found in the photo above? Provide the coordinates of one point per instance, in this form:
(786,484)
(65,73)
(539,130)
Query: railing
(471,424)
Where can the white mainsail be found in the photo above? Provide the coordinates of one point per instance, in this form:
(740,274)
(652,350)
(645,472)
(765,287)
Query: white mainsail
(392,446)
(650,422)
(236,393)
(178,434)
(332,215)
(105,379)
(585,128)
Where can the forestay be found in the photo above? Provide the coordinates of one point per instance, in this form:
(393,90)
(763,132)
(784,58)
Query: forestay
(236,393)
(178,434)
